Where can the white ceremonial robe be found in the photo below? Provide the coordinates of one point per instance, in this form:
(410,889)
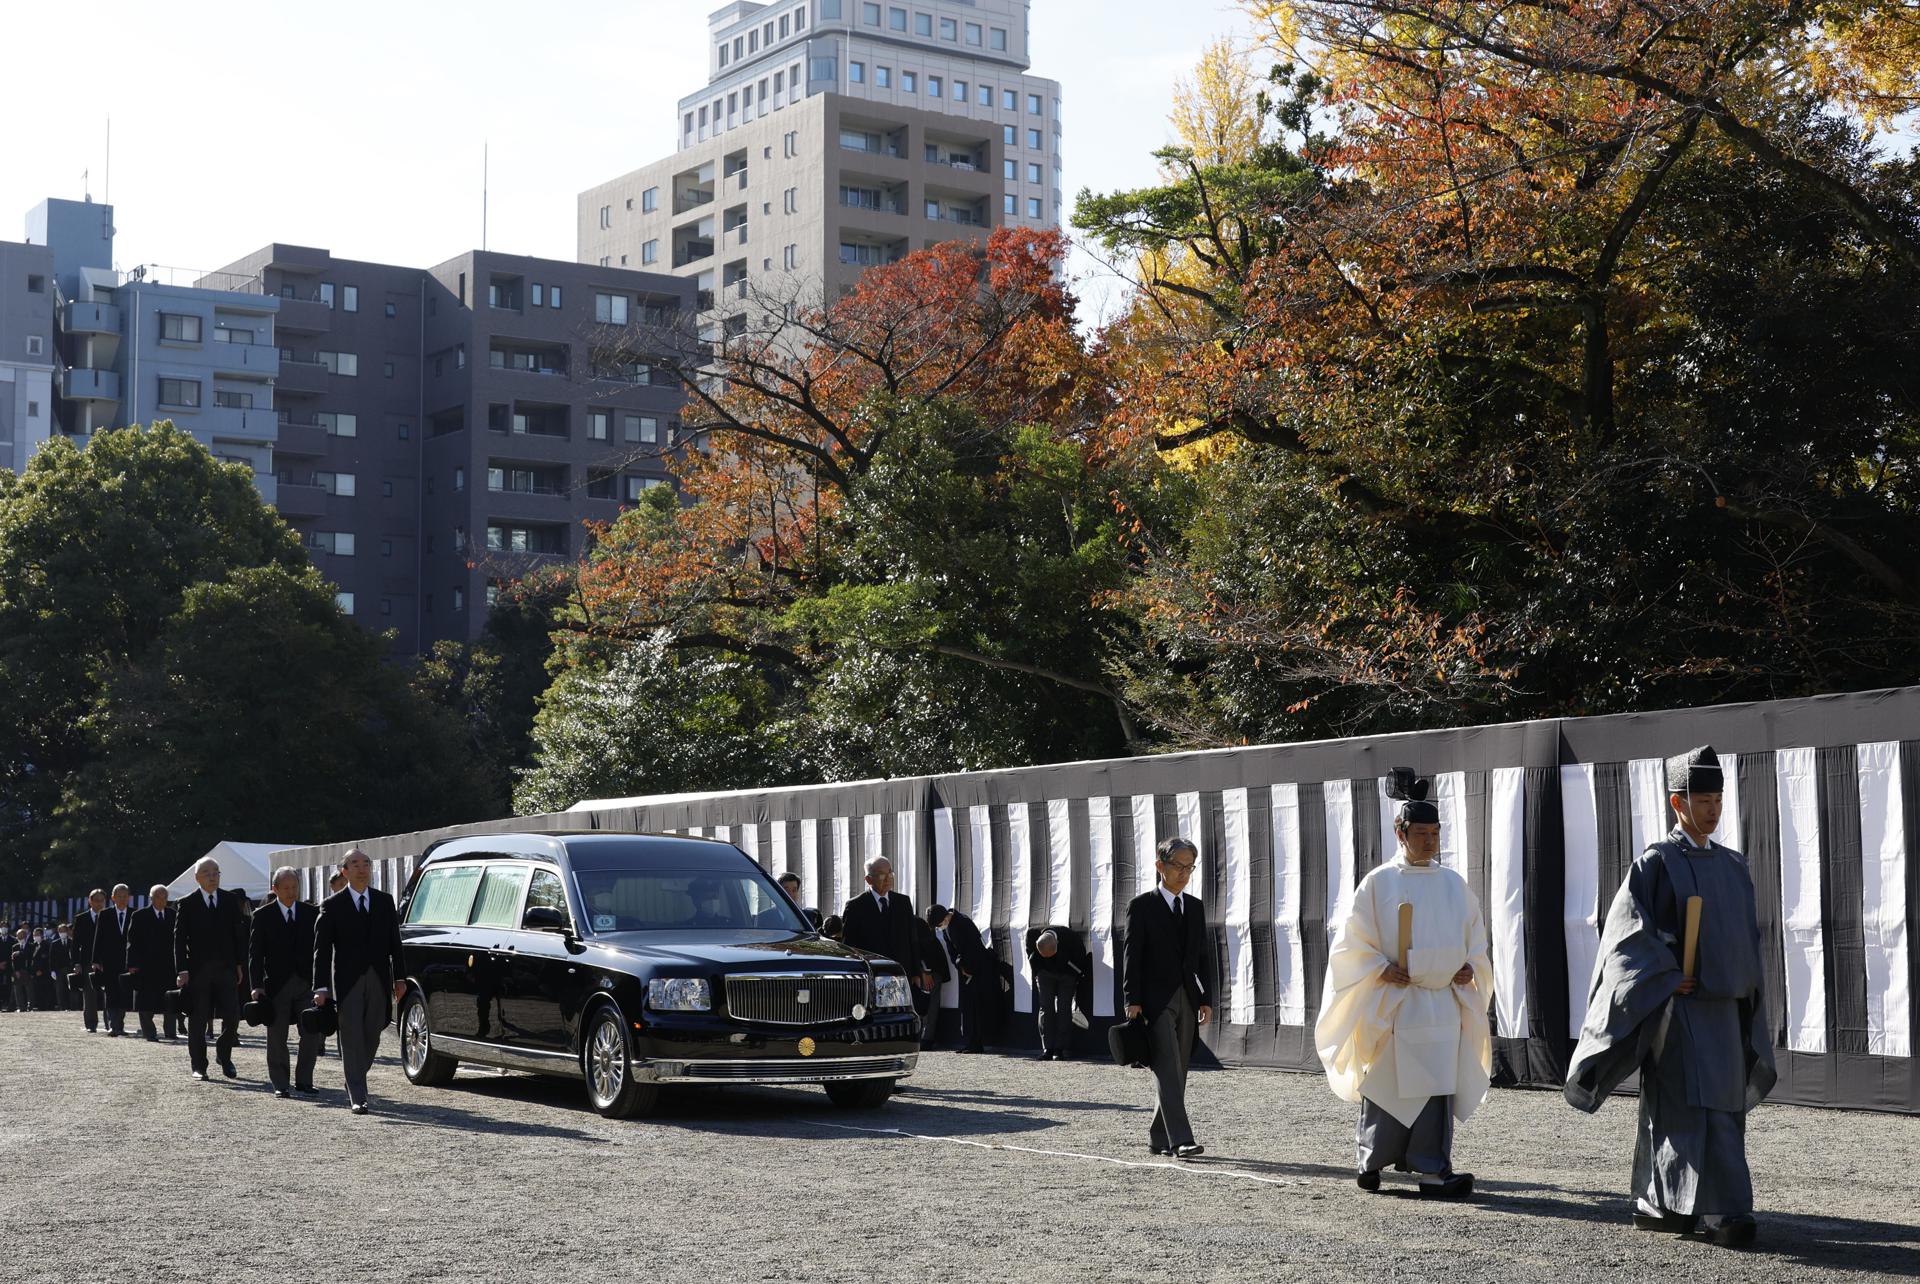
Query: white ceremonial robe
(1398,1045)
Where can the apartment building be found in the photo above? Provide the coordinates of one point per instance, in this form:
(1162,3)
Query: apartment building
(443,430)
(832,136)
(27,371)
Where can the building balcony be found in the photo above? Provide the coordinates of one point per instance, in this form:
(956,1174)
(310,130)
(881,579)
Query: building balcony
(81,384)
(261,427)
(691,252)
(244,360)
(300,378)
(303,316)
(301,501)
(91,318)
(307,440)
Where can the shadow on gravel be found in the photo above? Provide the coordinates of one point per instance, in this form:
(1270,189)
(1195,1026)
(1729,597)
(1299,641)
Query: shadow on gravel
(927,1096)
(453,1119)
(1884,1248)
(793,1112)
(1274,1167)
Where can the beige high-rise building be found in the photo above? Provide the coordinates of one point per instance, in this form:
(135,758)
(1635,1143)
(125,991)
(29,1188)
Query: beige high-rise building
(831,136)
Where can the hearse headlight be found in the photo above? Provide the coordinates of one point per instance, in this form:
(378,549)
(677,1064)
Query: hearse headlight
(679,994)
(891,992)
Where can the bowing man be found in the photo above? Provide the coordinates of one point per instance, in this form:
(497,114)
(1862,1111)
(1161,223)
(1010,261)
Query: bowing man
(280,965)
(1699,1040)
(1409,1042)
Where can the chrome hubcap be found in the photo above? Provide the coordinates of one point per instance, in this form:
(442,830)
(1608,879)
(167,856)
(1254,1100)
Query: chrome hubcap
(606,1061)
(414,1037)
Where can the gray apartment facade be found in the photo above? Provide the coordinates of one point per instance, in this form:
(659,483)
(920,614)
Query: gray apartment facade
(832,136)
(443,430)
(27,371)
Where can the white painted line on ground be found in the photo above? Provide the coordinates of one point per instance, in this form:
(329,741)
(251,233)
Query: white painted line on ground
(1203,1170)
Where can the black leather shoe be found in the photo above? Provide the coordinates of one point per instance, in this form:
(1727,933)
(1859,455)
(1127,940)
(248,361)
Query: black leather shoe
(1735,1232)
(1189,1151)
(1665,1223)
(359,1107)
(1448,1185)
(1158,1150)
(226,1068)
(200,1075)
(306,1089)
(153,1038)
(1367,1181)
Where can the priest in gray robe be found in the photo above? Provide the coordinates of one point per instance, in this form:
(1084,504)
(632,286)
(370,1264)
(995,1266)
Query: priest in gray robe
(1700,1043)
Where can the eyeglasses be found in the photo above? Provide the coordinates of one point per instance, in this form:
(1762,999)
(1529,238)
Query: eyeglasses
(1185,867)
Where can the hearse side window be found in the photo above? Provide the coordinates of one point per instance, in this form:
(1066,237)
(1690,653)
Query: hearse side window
(498,904)
(444,895)
(546,892)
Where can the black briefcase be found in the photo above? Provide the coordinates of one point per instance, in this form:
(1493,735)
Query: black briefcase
(1129,1043)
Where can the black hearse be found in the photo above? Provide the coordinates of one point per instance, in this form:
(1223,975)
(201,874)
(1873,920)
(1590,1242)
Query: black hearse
(632,960)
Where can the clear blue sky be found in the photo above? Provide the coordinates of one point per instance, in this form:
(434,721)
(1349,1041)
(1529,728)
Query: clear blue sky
(358,126)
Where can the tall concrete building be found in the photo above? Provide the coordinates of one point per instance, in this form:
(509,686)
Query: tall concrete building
(831,136)
(130,349)
(442,430)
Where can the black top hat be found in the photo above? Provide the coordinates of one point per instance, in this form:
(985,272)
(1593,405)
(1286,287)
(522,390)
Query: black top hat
(177,1002)
(1411,791)
(256,1012)
(1697,771)
(320,1022)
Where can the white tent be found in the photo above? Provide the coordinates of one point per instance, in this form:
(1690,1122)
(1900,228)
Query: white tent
(248,866)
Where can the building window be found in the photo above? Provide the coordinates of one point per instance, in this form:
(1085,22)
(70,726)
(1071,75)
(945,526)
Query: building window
(856,72)
(178,328)
(1010,170)
(406,431)
(610,309)
(829,8)
(345,602)
(1034,172)
(36,284)
(1011,203)
(33,345)
(33,410)
(340,363)
(459,479)
(783,26)
(650,252)
(386,545)
(1010,135)
(386,369)
(922,24)
(641,428)
(973,34)
(1035,207)
(723,55)
(180,392)
(1033,140)
(391,310)
(386,606)
(335,483)
(791,257)
(935,87)
(326,293)
(459,599)
(606,216)
(386,492)
(800,16)
(338,543)
(539,295)
(986,95)
(883,77)
(338,425)
(897,19)
(350,298)
(997,38)
(232,400)
(597,425)
(1010,99)
(909,82)
(870,14)
(650,200)
(959,91)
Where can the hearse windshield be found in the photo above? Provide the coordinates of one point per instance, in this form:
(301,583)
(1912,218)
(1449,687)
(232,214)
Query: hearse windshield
(684,900)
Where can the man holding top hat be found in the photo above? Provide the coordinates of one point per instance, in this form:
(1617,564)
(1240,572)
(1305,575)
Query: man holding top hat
(210,957)
(1403,1016)
(280,963)
(1676,996)
(1169,983)
(358,969)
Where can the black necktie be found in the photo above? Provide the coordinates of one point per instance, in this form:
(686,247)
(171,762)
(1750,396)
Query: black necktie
(883,905)
(361,900)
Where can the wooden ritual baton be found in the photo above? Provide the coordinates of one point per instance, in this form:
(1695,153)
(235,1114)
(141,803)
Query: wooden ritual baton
(1406,932)
(1690,952)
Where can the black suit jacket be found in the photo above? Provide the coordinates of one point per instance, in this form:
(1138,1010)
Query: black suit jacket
(83,931)
(894,936)
(347,943)
(975,958)
(1165,953)
(109,950)
(278,952)
(203,937)
(150,945)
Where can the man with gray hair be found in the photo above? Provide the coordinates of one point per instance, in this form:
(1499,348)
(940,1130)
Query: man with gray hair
(209,955)
(280,963)
(359,968)
(109,958)
(150,962)
(1055,981)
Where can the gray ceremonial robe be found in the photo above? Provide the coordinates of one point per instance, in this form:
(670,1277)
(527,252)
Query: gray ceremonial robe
(1705,1059)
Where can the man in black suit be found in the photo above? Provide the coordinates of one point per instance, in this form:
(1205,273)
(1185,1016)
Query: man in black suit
(1168,982)
(209,955)
(977,969)
(280,962)
(357,964)
(150,962)
(108,958)
(882,920)
(83,929)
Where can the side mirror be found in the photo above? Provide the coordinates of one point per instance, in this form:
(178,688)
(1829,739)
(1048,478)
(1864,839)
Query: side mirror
(543,918)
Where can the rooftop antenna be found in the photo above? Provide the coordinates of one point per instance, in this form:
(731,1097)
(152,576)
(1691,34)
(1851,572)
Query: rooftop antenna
(106,196)
(485,148)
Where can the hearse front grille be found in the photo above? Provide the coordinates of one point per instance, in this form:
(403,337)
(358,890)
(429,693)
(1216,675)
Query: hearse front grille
(795,1000)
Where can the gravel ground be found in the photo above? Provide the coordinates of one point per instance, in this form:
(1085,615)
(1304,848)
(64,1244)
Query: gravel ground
(998,1168)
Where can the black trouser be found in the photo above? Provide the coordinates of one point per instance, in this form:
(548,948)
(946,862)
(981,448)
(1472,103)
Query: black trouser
(113,1000)
(149,999)
(977,996)
(89,1000)
(211,992)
